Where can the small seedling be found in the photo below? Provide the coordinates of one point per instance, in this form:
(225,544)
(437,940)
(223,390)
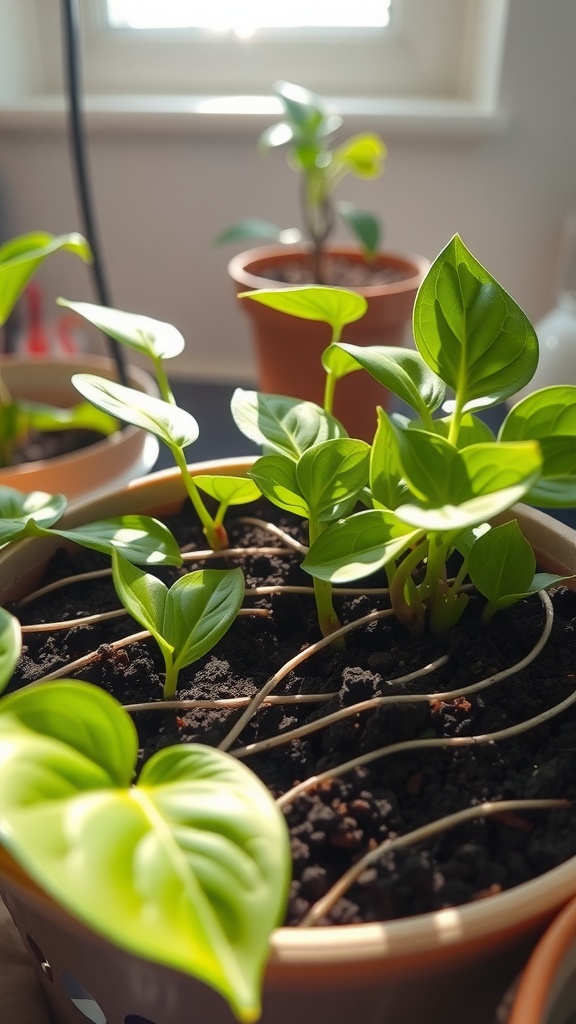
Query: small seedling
(186,620)
(308,132)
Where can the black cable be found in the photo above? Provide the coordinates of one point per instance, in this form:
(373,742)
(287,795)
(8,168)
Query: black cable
(70,37)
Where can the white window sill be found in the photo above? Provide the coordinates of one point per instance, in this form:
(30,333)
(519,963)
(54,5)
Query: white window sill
(229,115)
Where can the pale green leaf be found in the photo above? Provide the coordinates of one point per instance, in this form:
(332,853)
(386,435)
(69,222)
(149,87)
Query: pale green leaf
(276,477)
(83,416)
(386,471)
(153,338)
(200,609)
(250,229)
(356,547)
(189,868)
(21,257)
(286,426)
(331,473)
(228,490)
(172,425)
(143,596)
(502,562)
(334,306)
(549,412)
(140,539)
(362,155)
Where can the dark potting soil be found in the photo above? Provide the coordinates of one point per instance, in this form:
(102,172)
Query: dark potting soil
(50,444)
(338,821)
(337,271)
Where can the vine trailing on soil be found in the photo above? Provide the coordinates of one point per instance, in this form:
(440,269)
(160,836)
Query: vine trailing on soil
(418,504)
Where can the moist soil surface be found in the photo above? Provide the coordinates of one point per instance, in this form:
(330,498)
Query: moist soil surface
(49,445)
(337,271)
(333,824)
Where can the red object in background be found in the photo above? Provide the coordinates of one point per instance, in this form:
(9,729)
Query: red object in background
(38,338)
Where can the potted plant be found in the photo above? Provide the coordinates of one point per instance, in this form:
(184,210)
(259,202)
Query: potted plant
(288,356)
(429,847)
(48,439)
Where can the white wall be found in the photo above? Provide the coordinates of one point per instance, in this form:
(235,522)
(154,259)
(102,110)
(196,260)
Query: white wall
(160,198)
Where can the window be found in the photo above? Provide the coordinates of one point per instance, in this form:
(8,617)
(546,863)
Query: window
(245,18)
(446,50)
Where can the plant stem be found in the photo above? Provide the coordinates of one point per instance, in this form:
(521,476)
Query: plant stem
(327,618)
(162,381)
(215,534)
(410,612)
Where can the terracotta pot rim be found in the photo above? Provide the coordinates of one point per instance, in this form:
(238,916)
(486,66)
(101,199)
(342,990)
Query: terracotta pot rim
(243,268)
(468,927)
(537,979)
(105,447)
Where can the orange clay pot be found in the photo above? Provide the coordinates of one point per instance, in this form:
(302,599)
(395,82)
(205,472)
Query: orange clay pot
(447,967)
(547,990)
(288,350)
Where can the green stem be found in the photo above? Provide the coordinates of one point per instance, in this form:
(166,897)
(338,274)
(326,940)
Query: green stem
(329,389)
(171,677)
(327,618)
(404,597)
(162,381)
(455,422)
(215,533)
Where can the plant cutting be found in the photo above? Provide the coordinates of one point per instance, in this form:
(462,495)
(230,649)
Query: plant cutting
(422,764)
(308,131)
(288,353)
(64,444)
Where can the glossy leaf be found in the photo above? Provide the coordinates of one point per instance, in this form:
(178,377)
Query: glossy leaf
(276,477)
(228,490)
(20,512)
(10,646)
(556,487)
(426,460)
(549,412)
(152,338)
(186,620)
(22,256)
(356,547)
(386,472)
(471,332)
(172,425)
(189,868)
(403,372)
(502,562)
(331,473)
(138,538)
(334,306)
(286,426)
(472,429)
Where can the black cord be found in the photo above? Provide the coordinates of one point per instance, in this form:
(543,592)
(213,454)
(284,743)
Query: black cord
(70,34)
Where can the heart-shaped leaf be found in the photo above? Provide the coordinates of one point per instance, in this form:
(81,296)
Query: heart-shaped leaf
(189,868)
(334,306)
(228,490)
(471,332)
(286,426)
(332,473)
(153,338)
(176,427)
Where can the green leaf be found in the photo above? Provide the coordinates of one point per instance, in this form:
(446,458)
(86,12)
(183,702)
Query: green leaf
(356,547)
(403,372)
(250,229)
(78,417)
(362,155)
(144,597)
(472,429)
(426,460)
(140,539)
(10,646)
(471,332)
(550,412)
(502,562)
(386,472)
(364,226)
(276,477)
(332,473)
(21,257)
(189,868)
(174,426)
(18,509)
(228,490)
(286,426)
(334,306)
(153,338)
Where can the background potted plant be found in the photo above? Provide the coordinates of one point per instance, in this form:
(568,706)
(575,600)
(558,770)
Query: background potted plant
(433,966)
(288,353)
(48,440)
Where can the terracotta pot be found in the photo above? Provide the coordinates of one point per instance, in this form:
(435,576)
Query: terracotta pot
(546,993)
(288,350)
(105,465)
(439,968)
